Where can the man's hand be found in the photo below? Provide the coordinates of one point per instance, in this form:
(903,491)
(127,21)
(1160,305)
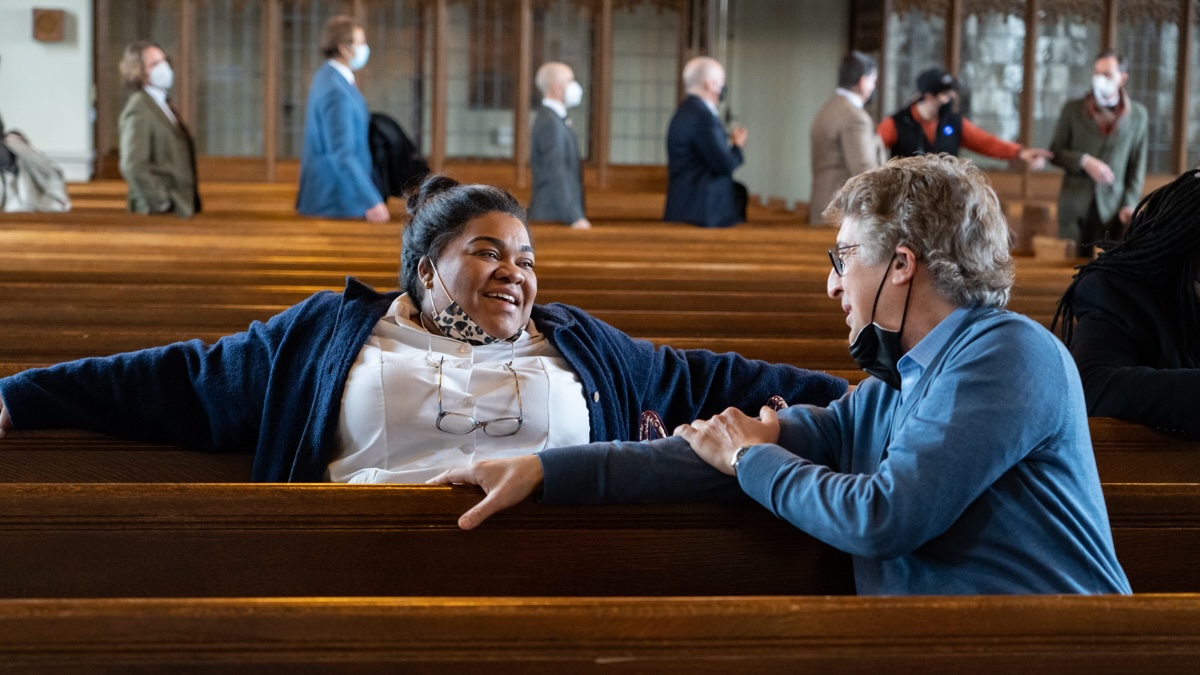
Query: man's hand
(1097,170)
(1035,157)
(738,135)
(581,224)
(717,439)
(506,481)
(1125,214)
(5,420)
(378,213)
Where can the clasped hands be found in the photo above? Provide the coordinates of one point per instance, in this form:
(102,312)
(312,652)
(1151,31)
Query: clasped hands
(509,481)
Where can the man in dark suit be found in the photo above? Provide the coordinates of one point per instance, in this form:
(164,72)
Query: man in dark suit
(554,153)
(700,161)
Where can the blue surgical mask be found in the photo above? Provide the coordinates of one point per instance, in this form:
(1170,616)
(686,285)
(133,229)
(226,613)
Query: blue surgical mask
(456,324)
(361,54)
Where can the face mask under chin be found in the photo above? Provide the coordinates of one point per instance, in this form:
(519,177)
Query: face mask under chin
(876,349)
(456,324)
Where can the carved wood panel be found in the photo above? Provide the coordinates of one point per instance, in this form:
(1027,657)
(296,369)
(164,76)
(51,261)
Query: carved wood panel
(1053,10)
(927,7)
(1158,11)
(1013,7)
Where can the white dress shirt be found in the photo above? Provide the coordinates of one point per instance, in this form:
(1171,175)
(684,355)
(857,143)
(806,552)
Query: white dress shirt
(343,69)
(160,97)
(851,96)
(558,108)
(387,429)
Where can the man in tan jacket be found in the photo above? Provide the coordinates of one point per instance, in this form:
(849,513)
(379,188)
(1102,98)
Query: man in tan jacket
(158,158)
(843,137)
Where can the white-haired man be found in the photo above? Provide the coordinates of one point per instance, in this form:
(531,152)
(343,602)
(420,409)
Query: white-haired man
(962,466)
(554,151)
(700,158)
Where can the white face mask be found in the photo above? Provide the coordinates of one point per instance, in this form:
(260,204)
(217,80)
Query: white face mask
(573,96)
(1104,88)
(161,76)
(361,54)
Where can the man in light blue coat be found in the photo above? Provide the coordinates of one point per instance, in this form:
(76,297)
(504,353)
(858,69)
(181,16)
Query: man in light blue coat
(335,167)
(963,465)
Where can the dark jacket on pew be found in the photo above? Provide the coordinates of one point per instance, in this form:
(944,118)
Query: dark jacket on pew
(1130,358)
(277,388)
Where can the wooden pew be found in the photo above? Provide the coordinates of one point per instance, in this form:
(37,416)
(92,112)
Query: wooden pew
(1125,453)
(1027,634)
(243,540)
(178,540)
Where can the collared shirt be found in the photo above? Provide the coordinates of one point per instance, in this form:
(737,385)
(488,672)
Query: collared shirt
(711,108)
(160,97)
(851,96)
(343,69)
(913,364)
(387,429)
(557,106)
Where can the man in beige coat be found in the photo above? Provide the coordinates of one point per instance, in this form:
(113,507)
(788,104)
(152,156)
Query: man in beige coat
(158,158)
(843,137)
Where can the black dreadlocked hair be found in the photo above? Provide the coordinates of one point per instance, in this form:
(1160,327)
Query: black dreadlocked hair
(1158,250)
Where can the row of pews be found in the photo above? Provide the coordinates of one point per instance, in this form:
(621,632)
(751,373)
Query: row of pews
(117,555)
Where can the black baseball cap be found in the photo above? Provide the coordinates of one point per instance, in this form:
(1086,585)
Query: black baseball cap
(935,81)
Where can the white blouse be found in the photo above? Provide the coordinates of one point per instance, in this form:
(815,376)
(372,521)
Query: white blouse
(387,429)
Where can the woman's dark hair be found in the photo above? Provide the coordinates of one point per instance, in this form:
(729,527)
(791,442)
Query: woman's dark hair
(439,211)
(1159,250)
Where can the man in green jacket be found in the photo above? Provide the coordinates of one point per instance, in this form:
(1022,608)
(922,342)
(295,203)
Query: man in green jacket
(1100,142)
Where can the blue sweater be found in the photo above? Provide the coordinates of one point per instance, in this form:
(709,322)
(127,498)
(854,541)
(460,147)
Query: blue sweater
(982,480)
(276,389)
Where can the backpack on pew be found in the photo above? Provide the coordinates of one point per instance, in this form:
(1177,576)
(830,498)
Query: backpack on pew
(651,426)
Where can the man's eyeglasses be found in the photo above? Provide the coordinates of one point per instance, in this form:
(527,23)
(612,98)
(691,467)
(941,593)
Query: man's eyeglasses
(837,256)
(458,423)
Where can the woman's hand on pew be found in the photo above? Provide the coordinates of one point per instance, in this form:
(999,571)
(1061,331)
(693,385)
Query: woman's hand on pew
(507,482)
(5,420)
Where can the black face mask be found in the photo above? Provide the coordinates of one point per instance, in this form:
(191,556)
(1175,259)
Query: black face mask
(724,92)
(877,350)
(946,108)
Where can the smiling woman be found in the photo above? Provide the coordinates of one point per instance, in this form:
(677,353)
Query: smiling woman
(396,387)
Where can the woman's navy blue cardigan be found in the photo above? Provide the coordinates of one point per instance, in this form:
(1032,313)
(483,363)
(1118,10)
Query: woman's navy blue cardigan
(276,389)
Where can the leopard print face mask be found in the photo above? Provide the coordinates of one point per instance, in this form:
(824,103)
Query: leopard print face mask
(455,323)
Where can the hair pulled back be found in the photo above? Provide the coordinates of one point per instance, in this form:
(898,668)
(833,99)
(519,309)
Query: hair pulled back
(439,210)
(1159,250)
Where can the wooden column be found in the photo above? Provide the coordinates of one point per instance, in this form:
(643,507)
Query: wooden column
(437,125)
(1108,29)
(601,149)
(1028,90)
(105,69)
(1183,77)
(954,21)
(272,49)
(524,82)
(185,101)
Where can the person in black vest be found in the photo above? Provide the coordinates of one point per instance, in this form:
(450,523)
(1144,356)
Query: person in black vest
(930,125)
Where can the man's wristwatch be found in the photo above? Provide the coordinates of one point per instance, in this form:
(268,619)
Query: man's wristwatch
(737,457)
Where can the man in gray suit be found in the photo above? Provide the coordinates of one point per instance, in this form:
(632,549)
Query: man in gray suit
(844,143)
(554,155)
(1100,142)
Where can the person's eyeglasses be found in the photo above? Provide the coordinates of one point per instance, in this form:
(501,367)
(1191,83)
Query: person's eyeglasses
(837,256)
(458,423)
